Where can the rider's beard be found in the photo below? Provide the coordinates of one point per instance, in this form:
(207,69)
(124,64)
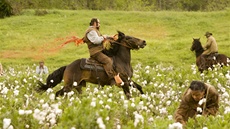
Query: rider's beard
(98,27)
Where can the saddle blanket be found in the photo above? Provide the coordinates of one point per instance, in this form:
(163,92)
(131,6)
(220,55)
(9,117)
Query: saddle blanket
(91,64)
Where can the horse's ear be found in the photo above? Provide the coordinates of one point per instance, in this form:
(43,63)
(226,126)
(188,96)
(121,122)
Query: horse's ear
(120,35)
(199,39)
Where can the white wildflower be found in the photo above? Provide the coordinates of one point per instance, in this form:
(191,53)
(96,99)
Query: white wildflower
(69,94)
(4,90)
(170,117)
(147,71)
(93,104)
(42,101)
(133,105)
(147,67)
(16,92)
(95,90)
(151,119)
(52,121)
(168,102)
(163,111)
(101,102)
(107,107)
(21,112)
(122,97)
(24,80)
(199,109)
(74,83)
(6,123)
(138,118)
(100,123)
(109,100)
(52,96)
(227,110)
(45,106)
(27,112)
(27,126)
(176,125)
(225,95)
(198,115)
(202,101)
(52,81)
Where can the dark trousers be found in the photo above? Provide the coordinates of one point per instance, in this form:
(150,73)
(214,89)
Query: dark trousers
(107,63)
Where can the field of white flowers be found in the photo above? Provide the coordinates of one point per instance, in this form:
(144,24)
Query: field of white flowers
(22,107)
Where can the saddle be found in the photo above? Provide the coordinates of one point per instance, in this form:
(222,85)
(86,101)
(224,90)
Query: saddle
(212,56)
(91,64)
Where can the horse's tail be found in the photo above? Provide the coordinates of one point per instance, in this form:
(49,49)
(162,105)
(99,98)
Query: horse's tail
(53,79)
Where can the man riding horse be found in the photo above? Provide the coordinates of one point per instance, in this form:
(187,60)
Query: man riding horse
(210,49)
(95,40)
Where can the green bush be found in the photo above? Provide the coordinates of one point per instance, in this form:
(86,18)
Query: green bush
(5,9)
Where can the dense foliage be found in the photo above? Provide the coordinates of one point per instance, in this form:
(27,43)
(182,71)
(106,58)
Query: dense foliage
(127,5)
(5,9)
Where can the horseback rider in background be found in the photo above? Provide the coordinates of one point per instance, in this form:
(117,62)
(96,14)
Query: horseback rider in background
(210,49)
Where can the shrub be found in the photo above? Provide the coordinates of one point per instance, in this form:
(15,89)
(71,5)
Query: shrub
(5,9)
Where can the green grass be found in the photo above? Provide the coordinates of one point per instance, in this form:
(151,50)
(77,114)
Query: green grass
(28,38)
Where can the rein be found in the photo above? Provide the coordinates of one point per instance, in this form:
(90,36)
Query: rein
(121,44)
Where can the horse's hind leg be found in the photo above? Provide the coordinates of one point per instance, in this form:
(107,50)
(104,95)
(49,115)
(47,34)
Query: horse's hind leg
(63,90)
(79,86)
(138,87)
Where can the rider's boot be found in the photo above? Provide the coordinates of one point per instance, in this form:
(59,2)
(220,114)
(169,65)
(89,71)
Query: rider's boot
(118,80)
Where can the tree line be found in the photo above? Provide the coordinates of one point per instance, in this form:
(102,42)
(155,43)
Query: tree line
(10,7)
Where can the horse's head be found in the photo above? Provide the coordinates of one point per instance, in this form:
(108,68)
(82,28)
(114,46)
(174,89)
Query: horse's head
(130,42)
(196,45)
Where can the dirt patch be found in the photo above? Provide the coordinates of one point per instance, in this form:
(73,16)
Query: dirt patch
(37,52)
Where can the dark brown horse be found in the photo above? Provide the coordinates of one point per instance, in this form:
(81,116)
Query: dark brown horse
(207,62)
(77,73)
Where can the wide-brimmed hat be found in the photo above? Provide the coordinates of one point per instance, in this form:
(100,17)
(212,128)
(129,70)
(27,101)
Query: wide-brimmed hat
(207,33)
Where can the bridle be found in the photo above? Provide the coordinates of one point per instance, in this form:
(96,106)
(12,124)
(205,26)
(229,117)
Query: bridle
(127,46)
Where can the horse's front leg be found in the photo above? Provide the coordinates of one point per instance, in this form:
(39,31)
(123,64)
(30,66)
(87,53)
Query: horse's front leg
(126,90)
(134,84)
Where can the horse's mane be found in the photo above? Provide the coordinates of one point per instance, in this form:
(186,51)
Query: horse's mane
(114,45)
(113,49)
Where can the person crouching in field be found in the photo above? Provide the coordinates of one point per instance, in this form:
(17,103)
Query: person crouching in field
(42,69)
(199,98)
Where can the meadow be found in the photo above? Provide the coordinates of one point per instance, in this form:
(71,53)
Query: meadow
(165,68)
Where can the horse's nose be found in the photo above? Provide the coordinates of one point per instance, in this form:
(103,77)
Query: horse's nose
(144,43)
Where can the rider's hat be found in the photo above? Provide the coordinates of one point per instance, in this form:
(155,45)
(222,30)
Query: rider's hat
(207,34)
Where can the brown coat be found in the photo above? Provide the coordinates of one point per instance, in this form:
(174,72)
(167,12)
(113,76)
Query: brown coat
(93,48)
(211,46)
(188,107)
